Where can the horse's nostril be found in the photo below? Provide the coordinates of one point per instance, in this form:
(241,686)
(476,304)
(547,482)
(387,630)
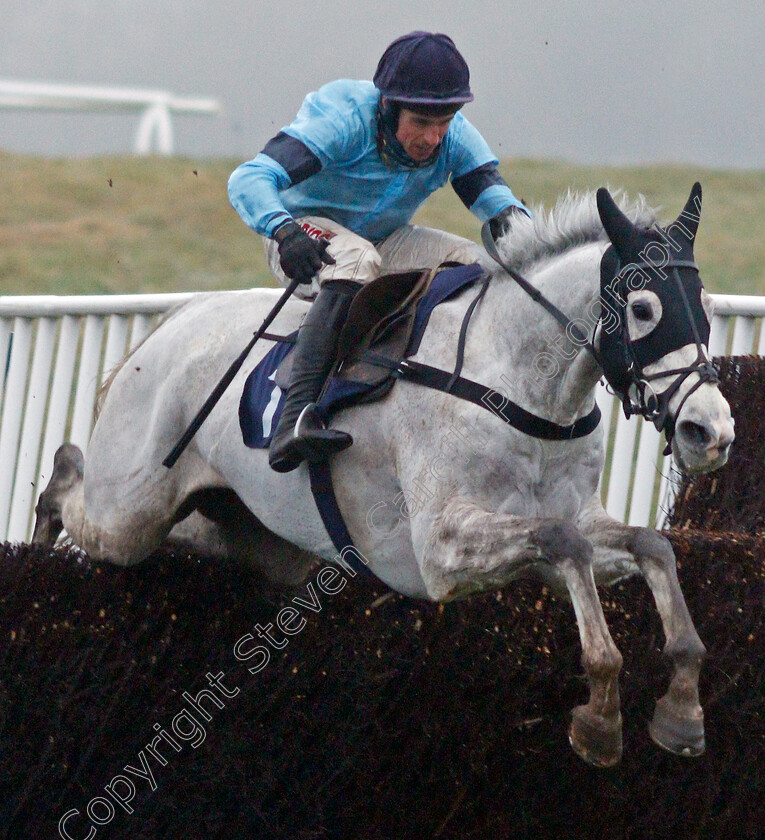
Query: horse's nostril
(695,433)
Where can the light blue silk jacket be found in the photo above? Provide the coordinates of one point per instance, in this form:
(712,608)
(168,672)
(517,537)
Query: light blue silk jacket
(336,171)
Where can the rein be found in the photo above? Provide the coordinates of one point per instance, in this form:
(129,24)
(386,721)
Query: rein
(570,328)
(452,382)
(467,389)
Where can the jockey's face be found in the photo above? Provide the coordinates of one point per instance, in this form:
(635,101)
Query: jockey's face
(420,134)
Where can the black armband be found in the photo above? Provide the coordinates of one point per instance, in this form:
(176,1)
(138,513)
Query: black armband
(469,186)
(296,158)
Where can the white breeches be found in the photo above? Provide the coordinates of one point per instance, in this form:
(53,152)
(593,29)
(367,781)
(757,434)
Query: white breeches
(408,248)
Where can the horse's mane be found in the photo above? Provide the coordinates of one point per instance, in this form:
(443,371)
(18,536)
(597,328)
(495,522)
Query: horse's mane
(573,221)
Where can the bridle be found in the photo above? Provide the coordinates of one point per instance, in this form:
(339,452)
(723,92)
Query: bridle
(632,384)
(622,360)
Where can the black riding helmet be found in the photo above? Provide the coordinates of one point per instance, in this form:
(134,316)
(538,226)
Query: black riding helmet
(424,69)
(424,72)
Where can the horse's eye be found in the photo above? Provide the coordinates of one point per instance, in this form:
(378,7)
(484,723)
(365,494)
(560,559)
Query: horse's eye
(642,311)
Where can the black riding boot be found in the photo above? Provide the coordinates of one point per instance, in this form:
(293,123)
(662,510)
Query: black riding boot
(300,433)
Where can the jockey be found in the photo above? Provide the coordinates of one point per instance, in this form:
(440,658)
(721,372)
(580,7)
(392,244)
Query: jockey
(334,191)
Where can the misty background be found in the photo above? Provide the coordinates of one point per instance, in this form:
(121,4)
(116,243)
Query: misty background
(596,82)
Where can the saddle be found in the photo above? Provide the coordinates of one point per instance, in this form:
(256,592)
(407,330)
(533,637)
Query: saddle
(385,325)
(381,315)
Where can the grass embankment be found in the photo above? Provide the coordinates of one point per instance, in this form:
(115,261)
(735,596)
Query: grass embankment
(126,224)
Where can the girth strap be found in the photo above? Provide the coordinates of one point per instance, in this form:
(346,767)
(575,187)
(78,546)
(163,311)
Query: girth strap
(326,503)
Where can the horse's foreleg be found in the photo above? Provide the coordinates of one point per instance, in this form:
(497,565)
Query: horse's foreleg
(470,549)
(678,721)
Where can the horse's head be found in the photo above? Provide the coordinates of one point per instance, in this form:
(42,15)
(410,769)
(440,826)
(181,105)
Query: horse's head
(654,332)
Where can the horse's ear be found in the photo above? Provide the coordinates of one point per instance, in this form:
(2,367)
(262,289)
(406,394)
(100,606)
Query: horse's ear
(688,220)
(619,228)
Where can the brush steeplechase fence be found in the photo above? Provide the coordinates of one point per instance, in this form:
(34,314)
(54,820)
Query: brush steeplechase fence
(58,350)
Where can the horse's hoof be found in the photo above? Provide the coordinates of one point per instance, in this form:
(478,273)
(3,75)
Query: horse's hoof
(594,739)
(680,734)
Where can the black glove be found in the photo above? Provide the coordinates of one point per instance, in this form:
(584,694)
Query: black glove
(501,223)
(300,256)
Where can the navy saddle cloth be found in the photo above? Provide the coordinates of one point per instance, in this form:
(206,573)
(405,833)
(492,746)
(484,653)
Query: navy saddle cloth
(262,399)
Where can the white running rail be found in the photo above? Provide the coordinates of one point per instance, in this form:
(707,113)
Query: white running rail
(156,106)
(55,351)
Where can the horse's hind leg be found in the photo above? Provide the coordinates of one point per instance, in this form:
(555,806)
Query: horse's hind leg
(596,727)
(129,520)
(219,525)
(210,520)
(470,549)
(68,470)
(678,720)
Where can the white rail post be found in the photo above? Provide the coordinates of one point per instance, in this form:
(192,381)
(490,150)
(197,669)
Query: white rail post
(156,106)
(24,491)
(13,407)
(6,332)
(646,475)
(155,122)
(743,336)
(87,380)
(718,336)
(60,397)
(141,327)
(621,467)
(116,344)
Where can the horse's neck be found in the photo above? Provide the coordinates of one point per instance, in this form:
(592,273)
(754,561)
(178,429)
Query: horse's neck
(526,348)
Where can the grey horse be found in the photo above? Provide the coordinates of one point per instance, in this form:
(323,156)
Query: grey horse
(441,496)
